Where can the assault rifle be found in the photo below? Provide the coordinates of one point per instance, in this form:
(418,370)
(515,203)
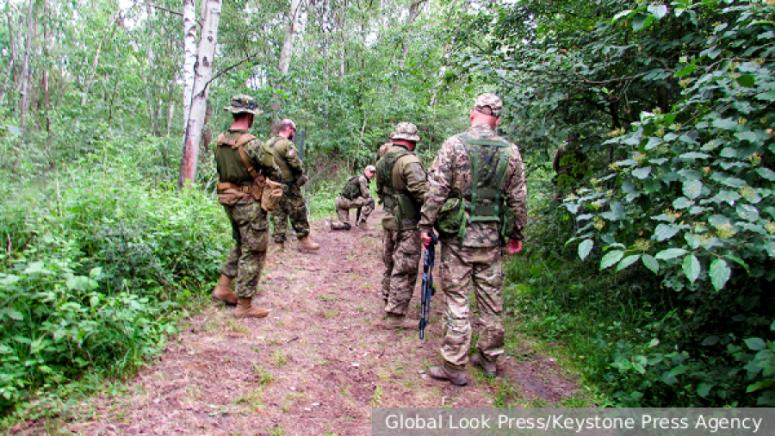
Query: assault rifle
(427,284)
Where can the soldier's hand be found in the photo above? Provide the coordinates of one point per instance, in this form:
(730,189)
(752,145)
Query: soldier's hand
(426,239)
(513,246)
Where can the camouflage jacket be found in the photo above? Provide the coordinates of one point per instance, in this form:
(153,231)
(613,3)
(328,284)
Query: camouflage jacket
(408,176)
(451,172)
(287,158)
(230,167)
(363,184)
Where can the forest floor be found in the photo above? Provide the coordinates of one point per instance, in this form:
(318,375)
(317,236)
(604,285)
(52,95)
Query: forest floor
(317,364)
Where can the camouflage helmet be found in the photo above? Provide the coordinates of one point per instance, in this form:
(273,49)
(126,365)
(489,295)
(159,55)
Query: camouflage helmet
(489,104)
(243,104)
(407,131)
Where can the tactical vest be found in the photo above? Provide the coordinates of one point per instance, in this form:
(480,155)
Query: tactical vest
(397,202)
(285,169)
(483,202)
(352,189)
(236,174)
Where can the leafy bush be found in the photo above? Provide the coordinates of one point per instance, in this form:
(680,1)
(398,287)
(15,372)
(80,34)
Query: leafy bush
(693,203)
(96,270)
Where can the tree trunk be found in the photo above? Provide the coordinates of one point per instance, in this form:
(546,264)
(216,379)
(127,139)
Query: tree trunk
(9,74)
(26,75)
(189,55)
(290,34)
(202,76)
(414,11)
(341,23)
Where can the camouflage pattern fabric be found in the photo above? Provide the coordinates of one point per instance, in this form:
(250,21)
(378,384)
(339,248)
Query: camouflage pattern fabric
(287,159)
(489,104)
(291,207)
(363,201)
(463,268)
(451,173)
(246,259)
(401,255)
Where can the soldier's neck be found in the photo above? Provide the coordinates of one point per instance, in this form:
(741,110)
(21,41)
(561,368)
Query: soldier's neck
(241,124)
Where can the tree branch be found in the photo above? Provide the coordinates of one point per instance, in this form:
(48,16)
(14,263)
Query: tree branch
(170,11)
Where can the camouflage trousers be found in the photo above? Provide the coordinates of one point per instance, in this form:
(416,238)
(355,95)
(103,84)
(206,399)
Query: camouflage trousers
(401,256)
(464,268)
(291,207)
(246,259)
(343,206)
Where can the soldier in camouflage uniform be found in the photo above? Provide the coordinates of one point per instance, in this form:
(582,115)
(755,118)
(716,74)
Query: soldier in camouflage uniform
(401,185)
(292,204)
(355,195)
(477,200)
(243,164)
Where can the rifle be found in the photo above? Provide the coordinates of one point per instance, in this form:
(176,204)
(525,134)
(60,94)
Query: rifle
(427,284)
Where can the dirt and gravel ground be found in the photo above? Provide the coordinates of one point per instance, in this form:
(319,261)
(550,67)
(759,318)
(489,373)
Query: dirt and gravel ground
(317,365)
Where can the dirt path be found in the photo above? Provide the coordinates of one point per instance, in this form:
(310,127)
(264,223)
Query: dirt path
(317,364)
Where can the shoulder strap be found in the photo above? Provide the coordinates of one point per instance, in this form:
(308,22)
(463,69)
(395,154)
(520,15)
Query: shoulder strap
(239,145)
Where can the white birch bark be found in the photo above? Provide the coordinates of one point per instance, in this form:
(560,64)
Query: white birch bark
(202,75)
(189,53)
(290,34)
(26,75)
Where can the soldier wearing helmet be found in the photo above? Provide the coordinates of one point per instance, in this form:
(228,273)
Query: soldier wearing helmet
(243,165)
(401,185)
(355,195)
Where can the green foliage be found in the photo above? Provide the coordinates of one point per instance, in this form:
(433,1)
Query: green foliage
(674,103)
(97,268)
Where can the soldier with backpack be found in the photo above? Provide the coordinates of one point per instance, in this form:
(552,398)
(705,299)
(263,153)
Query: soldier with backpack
(401,185)
(477,201)
(355,195)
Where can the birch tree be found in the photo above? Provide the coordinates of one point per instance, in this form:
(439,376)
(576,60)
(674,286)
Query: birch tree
(26,75)
(203,73)
(290,34)
(189,55)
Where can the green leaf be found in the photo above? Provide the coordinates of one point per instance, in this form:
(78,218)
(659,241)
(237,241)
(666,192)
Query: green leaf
(747,212)
(681,203)
(611,258)
(768,96)
(642,22)
(703,389)
(627,261)
(719,273)
(35,268)
(665,231)
(692,189)
(755,344)
(725,123)
(766,173)
(691,268)
(651,263)
(670,253)
(657,10)
(584,248)
(685,71)
(641,173)
(621,14)
(747,80)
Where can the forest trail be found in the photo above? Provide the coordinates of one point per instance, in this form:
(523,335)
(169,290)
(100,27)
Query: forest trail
(316,365)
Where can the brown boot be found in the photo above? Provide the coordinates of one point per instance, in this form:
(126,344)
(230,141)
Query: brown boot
(487,365)
(246,310)
(397,322)
(222,291)
(307,244)
(455,376)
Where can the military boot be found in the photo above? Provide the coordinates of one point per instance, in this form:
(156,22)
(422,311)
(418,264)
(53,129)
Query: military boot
(487,365)
(222,291)
(446,372)
(399,322)
(307,244)
(245,309)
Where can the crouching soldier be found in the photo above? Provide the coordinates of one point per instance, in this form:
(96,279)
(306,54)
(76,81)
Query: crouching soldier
(355,195)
